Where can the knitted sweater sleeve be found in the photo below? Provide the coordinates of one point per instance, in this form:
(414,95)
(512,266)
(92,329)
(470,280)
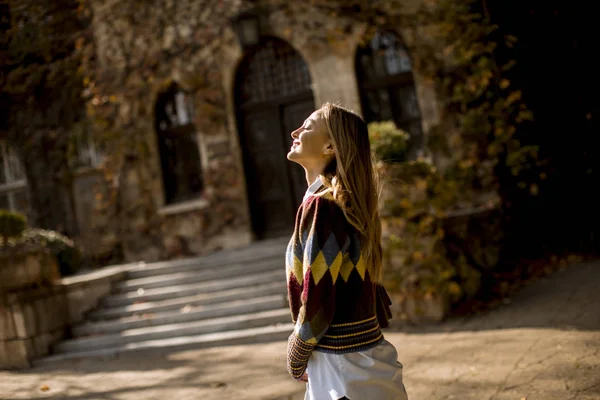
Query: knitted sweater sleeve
(324,241)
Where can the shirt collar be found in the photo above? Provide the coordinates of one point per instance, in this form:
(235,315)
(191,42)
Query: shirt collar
(313,188)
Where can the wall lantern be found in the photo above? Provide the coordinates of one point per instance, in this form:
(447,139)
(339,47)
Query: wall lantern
(248,27)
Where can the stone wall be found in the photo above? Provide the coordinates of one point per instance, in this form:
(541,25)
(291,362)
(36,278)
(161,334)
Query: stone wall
(34,317)
(30,321)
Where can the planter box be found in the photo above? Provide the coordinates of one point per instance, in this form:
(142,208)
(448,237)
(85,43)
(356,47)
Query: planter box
(25,269)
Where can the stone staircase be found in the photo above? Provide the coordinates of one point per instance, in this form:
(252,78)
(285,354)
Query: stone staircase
(228,297)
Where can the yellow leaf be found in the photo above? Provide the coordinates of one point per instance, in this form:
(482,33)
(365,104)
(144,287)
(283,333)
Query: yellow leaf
(466,163)
(417,256)
(504,83)
(44,388)
(404,203)
(514,96)
(421,184)
(454,289)
(534,189)
(440,233)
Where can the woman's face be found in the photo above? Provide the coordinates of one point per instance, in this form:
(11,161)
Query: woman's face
(311,146)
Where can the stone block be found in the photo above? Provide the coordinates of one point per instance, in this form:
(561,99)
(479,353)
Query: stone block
(24,320)
(31,318)
(75,301)
(7,325)
(25,270)
(3,354)
(43,317)
(18,354)
(61,311)
(56,317)
(41,345)
(53,317)
(61,304)
(416,308)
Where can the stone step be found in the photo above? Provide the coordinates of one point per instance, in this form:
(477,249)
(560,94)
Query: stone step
(184,315)
(169,292)
(205,274)
(235,322)
(153,307)
(246,336)
(251,255)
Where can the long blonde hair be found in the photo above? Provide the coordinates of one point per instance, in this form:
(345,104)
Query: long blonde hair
(351,179)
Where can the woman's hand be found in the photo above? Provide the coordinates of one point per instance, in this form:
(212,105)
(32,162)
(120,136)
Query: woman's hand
(303,378)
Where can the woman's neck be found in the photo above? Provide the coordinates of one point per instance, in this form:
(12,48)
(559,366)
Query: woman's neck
(313,170)
(312,175)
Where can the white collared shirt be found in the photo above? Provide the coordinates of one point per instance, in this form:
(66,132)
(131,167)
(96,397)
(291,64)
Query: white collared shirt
(313,188)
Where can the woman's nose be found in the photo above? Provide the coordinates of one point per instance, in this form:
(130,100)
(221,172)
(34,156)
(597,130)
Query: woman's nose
(294,134)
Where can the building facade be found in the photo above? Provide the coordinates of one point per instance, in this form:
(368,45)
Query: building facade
(200,161)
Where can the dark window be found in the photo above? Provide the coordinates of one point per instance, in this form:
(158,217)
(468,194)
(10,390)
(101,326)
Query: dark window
(13,181)
(387,90)
(178,146)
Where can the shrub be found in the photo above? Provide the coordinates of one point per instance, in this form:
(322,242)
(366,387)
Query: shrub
(12,224)
(388,142)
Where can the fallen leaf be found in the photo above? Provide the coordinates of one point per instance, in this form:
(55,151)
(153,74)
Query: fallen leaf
(44,388)
(186,309)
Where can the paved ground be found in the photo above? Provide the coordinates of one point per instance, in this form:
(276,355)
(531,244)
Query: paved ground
(543,345)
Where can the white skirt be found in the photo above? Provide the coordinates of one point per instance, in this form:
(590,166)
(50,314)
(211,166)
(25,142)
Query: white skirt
(370,374)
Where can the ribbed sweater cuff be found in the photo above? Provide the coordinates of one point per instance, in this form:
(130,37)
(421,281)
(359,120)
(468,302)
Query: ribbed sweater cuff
(298,353)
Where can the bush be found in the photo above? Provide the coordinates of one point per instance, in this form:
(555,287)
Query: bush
(389,143)
(12,224)
(68,256)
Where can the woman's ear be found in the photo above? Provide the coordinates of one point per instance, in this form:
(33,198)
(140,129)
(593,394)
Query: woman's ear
(329,149)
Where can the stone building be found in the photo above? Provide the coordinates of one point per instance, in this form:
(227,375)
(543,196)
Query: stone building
(201,163)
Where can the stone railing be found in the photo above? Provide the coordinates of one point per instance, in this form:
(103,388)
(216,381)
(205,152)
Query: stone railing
(33,317)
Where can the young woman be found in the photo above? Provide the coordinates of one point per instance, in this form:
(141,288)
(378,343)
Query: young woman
(333,265)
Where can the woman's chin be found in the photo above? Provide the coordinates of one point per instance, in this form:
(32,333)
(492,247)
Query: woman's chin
(293,156)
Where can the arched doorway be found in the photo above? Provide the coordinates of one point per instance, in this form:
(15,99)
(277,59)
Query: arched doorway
(387,89)
(273,97)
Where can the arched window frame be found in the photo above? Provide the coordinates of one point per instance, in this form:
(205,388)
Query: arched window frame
(386,85)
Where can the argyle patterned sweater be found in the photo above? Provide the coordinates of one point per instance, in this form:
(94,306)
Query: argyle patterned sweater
(335,305)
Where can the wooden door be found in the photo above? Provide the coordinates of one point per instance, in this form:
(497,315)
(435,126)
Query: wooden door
(273,97)
(269,191)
